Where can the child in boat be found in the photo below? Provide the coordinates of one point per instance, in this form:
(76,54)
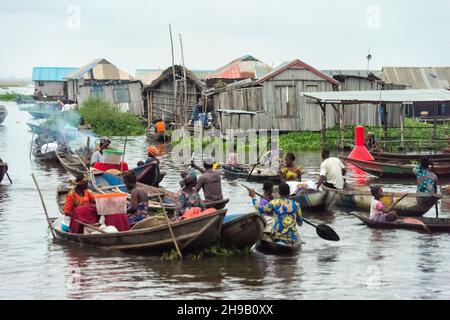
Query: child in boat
(286,213)
(188,197)
(138,208)
(378,212)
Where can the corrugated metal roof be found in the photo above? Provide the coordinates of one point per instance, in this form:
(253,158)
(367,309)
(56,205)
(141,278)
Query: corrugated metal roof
(241,68)
(388,96)
(51,73)
(295,64)
(418,77)
(102,70)
(350,73)
(147,76)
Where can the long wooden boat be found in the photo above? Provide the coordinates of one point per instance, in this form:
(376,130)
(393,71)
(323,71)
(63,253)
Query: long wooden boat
(40,114)
(413,205)
(152,175)
(312,201)
(391,170)
(158,137)
(3,113)
(242,231)
(267,245)
(418,224)
(242,173)
(106,182)
(44,157)
(3,170)
(384,156)
(191,235)
(71,163)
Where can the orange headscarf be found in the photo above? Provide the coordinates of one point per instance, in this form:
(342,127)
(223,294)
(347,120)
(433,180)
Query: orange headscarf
(152,150)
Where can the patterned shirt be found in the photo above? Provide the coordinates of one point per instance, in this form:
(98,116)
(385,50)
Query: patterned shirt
(426,180)
(287,214)
(188,200)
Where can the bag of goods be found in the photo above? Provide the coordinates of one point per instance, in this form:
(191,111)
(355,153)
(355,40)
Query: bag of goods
(111,203)
(112,156)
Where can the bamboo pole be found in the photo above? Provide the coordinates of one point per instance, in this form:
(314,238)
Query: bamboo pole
(43,205)
(170,227)
(148,109)
(185,83)
(173,75)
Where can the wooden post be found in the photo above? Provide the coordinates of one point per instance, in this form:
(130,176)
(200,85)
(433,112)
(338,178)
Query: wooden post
(324,124)
(435,123)
(185,84)
(173,74)
(402,138)
(148,109)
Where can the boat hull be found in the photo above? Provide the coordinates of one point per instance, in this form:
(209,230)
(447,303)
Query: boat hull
(191,235)
(243,232)
(71,163)
(390,170)
(267,246)
(254,177)
(3,170)
(312,201)
(414,205)
(437,225)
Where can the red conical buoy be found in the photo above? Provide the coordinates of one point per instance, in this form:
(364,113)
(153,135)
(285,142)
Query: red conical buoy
(360,151)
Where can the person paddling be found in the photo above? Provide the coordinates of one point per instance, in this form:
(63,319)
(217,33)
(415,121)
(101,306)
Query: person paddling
(332,172)
(210,181)
(286,213)
(427,181)
(378,212)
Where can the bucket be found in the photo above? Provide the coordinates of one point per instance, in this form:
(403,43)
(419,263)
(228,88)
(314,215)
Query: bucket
(111,203)
(65,224)
(111,156)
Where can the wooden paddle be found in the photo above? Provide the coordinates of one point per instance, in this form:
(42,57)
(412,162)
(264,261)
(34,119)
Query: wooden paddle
(322,230)
(10,181)
(257,162)
(43,205)
(398,200)
(170,228)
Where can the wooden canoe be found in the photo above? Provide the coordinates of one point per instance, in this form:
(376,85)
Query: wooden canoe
(44,157)
(391,170)
(191,235)
(157,137)
(151,174)
(414,205)
(3,170)
(242,231)
(418,224)
(268,246)
(3,113)
(106,182)
(311,201)
(242,173)
(71,163)
(41,114)
(384,156)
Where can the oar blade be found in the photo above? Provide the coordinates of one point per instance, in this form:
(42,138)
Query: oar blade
(327,233)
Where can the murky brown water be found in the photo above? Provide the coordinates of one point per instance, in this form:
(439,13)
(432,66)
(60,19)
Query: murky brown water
(365,264)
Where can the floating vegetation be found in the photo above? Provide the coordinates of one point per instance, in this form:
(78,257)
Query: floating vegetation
(107,120)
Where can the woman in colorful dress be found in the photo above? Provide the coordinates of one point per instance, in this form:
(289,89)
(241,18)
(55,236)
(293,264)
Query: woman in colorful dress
(188,197)
(290,171)
(287,215)
(79,196)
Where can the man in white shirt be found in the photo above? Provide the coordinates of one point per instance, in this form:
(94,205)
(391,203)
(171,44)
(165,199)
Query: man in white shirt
(332,171)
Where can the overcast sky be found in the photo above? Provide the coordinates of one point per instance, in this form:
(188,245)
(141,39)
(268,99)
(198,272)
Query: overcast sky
(131,34)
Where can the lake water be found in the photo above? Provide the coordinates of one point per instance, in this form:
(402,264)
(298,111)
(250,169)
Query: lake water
(365,264)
